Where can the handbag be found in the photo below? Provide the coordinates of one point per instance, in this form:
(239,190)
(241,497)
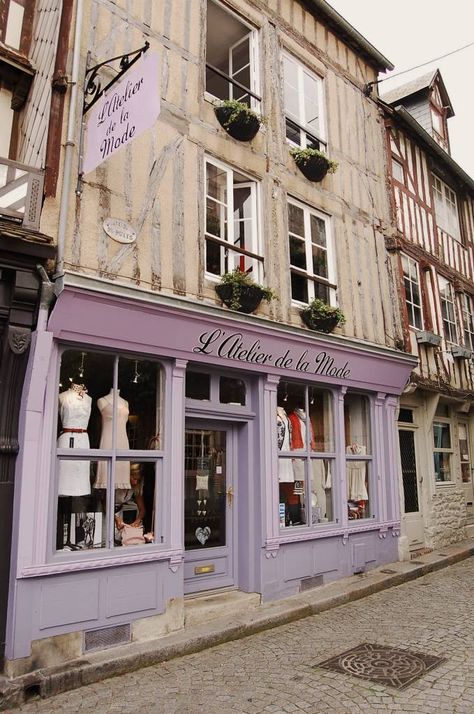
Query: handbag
(132,535)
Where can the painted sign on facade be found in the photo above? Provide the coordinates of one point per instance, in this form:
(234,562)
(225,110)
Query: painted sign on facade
(128,109)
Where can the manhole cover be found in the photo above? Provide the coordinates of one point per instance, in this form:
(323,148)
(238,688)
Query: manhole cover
(384,665)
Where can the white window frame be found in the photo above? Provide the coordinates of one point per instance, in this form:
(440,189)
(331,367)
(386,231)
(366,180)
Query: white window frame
(233,252)
(467,309)
(235,92)
(300,120)
(446,208)
(442,421)
(448,302)
(412,276)
(331,280)
(399,167)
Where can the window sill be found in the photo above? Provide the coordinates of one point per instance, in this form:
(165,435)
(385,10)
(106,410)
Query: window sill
(334,529)
(106,561)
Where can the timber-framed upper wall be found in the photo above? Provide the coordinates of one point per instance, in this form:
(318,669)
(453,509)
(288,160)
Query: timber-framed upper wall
(157,182)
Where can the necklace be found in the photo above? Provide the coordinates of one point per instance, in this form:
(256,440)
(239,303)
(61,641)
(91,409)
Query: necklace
(79,389)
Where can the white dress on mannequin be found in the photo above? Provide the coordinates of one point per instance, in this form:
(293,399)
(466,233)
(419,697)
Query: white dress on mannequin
(357,475)
(285,466)
(122,468)
(74,410)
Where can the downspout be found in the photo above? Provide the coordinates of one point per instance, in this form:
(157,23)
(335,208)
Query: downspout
(69,148)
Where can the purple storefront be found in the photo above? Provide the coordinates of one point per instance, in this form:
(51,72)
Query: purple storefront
(194,449)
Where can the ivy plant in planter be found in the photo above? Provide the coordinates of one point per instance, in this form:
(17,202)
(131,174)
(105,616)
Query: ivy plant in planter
(322,317)
(239,292)
(238,119)
(313,164)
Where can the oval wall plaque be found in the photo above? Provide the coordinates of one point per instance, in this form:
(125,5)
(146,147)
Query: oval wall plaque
(119,230)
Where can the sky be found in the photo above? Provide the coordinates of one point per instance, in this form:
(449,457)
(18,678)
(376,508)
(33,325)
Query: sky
(411,32)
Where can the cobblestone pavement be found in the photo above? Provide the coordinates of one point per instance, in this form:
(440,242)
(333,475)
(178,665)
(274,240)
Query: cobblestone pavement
(274,671)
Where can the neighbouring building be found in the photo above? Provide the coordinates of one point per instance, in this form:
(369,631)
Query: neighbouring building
(257,453)
(432,263)
(32,86)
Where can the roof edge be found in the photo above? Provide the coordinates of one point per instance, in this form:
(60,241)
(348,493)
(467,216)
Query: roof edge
(348,32)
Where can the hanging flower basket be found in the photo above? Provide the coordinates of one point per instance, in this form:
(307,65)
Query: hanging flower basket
(238,120)
(313,164)
(322,317)
(238,292)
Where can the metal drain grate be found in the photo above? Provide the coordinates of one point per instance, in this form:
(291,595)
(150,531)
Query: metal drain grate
(384,665)
(309,583)
(106,637)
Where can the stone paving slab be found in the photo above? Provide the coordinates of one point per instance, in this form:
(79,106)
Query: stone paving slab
(289,613)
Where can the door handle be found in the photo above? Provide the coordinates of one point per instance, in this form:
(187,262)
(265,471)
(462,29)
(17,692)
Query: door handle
(230,495)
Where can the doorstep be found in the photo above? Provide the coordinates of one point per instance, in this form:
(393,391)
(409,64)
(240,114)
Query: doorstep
(97,666)
(212,605)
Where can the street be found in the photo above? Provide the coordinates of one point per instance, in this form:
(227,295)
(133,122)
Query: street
(276,671)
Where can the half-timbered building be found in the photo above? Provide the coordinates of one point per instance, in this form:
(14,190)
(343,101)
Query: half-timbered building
(432,259)
(198,447)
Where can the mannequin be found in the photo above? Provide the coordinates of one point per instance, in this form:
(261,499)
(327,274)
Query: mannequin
(356,475)
(122,468)
(298,439)
(74,476)
(285,466)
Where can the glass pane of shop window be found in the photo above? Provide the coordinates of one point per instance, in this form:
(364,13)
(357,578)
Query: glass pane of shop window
(231,391)
(139,406)
(292,508)
(321,419)
(84,377)
(198,386)
(134,503)
(358,490)
(322,471)
(357,424)
(81,513)
(291,417)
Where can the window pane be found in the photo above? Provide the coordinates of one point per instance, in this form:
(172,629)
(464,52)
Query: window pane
(321,291)
(231,391)
(358,496)
(357,424)
(311,108)
(397,171)
(292,499)
(321,490)
(297,253)
(320,262)
(442,436)
(442,466)
(291,88)
(81,513)
(216,183)
(140,392)
(295,220)
(216,219)
(134,506)
(318,231)
(299,288)
(293,134)
(321,419)
(214,258)
(198,385)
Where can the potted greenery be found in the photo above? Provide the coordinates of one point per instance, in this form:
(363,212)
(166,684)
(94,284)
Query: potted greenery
(238,119)
(314,164)
(322,317)
(239,292)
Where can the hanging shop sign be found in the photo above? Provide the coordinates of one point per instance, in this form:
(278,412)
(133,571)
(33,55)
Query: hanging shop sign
(119,230)
(124,112)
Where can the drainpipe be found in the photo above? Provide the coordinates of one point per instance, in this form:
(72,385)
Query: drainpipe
(69,147)
(47,295)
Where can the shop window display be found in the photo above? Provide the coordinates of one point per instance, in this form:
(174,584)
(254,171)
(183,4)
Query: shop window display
(304,434)
(358,450)
(114,405)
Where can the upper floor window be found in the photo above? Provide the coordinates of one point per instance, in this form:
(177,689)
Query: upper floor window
(303,93)
(231,57)
(11,29)
(232,235)
(448,312)
(398,171)
(468,320)
(311,260)
(446,208)
(442,449)
(411,282)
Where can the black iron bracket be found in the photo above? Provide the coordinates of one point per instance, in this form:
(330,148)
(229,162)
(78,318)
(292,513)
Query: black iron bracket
(93,86)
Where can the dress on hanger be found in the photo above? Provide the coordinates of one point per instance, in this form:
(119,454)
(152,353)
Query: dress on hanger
(298,439)
(356,475)
(285,466)
(74,410)
(122,468)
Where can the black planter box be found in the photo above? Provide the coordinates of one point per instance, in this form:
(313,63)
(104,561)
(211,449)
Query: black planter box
(314,168)
(243,128)
(250,297)
(320,324)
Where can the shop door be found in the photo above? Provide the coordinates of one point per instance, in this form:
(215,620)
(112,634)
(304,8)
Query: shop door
(413,517)
(466,469)
(209,507)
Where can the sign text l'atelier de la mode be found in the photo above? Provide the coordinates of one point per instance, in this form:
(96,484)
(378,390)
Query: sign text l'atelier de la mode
(234,346)
(126,111)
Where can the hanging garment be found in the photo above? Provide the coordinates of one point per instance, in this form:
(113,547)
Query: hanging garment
(122,468)
(285,466)
(74,410)
(357,475)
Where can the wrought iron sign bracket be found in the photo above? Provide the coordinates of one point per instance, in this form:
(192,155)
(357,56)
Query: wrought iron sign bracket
(93,87)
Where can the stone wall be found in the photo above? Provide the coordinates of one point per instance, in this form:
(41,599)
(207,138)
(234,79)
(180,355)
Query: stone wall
(446,521)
